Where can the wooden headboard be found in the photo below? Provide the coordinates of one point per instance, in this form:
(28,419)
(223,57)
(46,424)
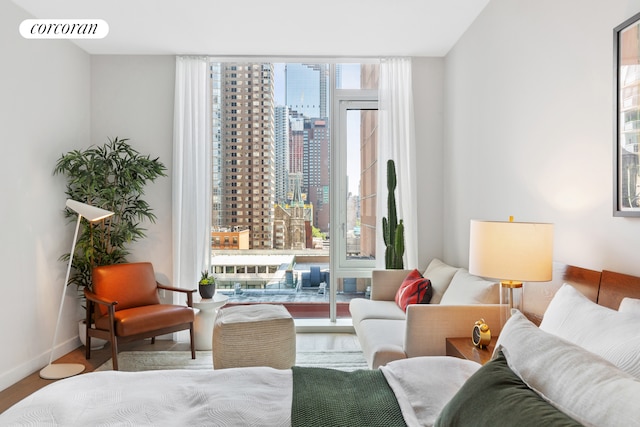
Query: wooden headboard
(607,288)
(615,286)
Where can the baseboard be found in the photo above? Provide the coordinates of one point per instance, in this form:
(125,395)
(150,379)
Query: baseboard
(23,370)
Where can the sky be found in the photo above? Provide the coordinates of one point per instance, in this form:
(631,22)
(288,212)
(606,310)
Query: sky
(350,79)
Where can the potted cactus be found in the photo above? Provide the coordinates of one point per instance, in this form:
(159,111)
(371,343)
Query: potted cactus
(392,229)
(207,285)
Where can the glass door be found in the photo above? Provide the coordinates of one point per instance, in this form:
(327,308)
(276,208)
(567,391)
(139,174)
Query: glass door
(355,179)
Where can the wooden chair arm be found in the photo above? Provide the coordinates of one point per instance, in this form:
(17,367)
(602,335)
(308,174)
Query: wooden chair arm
(90,296)
(95,299)
(175,289)
(188,292)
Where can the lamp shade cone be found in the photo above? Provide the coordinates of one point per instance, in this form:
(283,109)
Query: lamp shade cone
(517,251)
(91,213)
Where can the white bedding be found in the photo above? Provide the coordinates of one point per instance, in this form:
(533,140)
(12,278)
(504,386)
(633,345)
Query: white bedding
(423,385)
(229,397)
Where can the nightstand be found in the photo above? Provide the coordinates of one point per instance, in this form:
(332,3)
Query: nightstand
(463,348)
(205,318)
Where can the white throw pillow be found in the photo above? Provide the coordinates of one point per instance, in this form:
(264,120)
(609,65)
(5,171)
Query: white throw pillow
(440,275)
(579,383)
(466,288)
(629,305)
(610,334)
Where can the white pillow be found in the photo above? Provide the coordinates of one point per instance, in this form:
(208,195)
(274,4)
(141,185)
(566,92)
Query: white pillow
(579,383)
(466,288)
(608,333)
(440,275)
(629,305)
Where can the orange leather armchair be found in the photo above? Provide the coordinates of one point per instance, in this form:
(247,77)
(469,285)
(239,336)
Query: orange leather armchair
(127,307)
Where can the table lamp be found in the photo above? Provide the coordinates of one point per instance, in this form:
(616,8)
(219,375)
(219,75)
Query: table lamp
(513,252)
(56,371)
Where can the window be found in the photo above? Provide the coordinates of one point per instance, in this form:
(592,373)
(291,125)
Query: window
(308,123)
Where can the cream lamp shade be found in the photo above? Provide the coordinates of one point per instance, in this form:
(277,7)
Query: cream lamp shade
(513,252)
(90,213)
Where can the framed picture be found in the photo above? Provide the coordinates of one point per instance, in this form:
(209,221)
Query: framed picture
(626,47)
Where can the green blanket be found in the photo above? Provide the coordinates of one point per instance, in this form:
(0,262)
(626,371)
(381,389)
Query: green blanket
(328,397)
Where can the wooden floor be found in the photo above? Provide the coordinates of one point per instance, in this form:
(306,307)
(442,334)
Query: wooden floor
(23,388)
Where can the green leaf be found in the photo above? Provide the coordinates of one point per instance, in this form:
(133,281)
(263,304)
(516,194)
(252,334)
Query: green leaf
(112,176)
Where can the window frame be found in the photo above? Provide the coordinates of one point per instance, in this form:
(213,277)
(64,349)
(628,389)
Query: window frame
(339,100)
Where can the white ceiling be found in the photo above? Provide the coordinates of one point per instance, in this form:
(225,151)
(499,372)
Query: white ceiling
(262,27)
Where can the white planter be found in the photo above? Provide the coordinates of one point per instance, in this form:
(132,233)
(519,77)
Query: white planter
(96,343)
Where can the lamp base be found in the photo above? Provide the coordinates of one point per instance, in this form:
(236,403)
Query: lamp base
(510,297)
(56,371)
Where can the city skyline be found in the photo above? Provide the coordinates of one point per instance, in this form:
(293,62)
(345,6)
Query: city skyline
(272,139)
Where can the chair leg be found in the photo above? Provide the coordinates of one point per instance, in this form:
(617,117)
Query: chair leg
(87,340)
(192,339)
(114,352)
(153,340)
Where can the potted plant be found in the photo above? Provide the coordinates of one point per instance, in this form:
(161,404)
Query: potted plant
(207,285)
(392,229)
(111,176)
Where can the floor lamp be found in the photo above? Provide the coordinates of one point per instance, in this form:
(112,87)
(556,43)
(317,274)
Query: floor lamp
(513,252)
(56,371)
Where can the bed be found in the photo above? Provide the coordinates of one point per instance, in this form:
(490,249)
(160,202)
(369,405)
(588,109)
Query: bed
(579,364)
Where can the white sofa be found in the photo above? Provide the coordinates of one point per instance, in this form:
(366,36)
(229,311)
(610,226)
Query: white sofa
(387,333)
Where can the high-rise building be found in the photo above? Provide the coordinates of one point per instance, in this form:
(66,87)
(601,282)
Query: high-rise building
(306,95)
(316,168)
(248,150)
(217,159)
(282,153)
(309,164)
(296,143)
(306,88)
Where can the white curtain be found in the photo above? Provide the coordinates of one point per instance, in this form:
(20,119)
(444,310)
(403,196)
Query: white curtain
(397,141)
(191,202)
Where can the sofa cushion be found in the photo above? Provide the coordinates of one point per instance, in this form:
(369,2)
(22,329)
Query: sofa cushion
(381,340)
(610,334)
(440,275)
(362,309)
(467,289)
(136,320)
(415,289)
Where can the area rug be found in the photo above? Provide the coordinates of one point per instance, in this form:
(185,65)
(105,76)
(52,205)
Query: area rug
(133,361)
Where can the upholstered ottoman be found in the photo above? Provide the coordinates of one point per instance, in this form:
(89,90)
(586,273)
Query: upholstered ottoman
(254,335)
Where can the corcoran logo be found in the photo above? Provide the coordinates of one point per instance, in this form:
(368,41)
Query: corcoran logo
(64,28)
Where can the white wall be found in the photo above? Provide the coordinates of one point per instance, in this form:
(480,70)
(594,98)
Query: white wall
(132,97)
(428,81)
(44,112)
(529,128)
